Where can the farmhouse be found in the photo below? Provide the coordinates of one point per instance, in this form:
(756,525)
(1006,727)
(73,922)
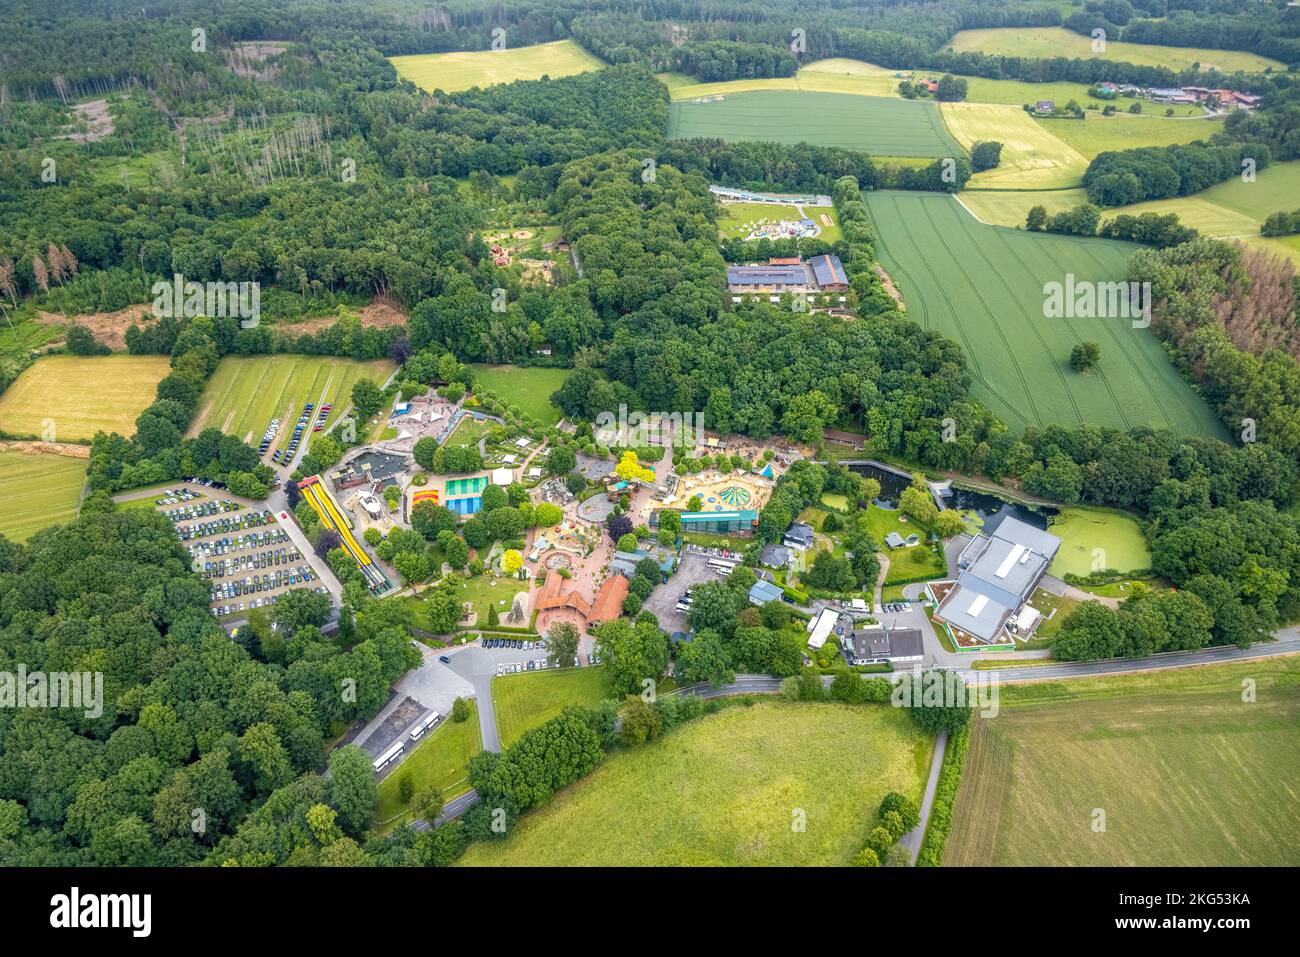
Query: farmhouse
(996,574)
(819,274)
(1045,106)
(875,645)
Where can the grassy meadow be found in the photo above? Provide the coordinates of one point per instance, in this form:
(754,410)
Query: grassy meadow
(875,125)
(38,491)
(451,72)
(77,396)
(722,790)
(1186,773)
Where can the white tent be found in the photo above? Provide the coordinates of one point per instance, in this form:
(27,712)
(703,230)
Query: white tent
(502,476)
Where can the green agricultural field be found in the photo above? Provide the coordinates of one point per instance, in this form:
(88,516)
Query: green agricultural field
(720,791)
(875,125)
(531,698)
(247,392)
(1235,209)
(450,72)
(835,75)
(38,491)
(984,287)
(1099,134)
(1032,158)
(527,388)
(736,219)
(1186,772)
(77,396)
(1011,207)
(1059,42)
(438,761)
(1084,531)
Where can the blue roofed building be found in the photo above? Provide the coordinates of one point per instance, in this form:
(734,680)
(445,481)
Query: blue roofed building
(764,591)
(829,273)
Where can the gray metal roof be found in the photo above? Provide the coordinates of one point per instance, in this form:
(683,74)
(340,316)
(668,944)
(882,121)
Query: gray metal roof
(1014,530)
(1007,570)
(906,643)
(974,612)
(763,592)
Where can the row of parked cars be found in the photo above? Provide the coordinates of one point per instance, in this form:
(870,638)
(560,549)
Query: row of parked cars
(252,540)
(267,559)
(224,525)
(235,608)
(172,496)
(268,581)
(518,643)
(202,510)
(895,606)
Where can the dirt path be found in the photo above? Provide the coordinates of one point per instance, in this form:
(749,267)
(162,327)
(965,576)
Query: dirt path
(47,448)
(889,285)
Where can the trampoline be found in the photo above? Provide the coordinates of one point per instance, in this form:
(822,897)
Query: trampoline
(735,496)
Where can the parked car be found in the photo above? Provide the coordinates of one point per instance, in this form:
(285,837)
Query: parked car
(444,659)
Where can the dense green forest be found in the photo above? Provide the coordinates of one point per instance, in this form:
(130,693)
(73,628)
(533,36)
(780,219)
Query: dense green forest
(316,171)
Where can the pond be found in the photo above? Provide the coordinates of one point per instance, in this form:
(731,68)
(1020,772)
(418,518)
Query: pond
(990,509)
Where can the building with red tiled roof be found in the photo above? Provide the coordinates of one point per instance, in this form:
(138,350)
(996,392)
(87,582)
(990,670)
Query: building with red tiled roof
(609,600)
(554,596)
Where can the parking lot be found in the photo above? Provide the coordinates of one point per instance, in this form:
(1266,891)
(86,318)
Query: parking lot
(693,569)
(243,553)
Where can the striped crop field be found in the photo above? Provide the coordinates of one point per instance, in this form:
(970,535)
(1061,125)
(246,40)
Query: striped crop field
(984,286)
(874,125)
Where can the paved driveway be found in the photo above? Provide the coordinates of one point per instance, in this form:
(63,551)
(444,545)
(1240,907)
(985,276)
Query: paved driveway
(692,570)
(478,666)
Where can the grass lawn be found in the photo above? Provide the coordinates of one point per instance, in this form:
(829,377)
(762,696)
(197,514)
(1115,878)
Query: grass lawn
(1058,606)
(908,563)
(1032,157)
(450,72)
(484,591)
(247,392)
(38,491)
(722,791)
(470,430)
(528,389)
(877,125)
(983,286)
(1123,589)
(76,396)
(1095,539)
(439,761)
(1123,131)
(738,219)
(1186,773)
(1050,42)
(530,698)
(836,75)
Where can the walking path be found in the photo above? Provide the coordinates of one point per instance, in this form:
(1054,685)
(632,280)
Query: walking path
(912,839)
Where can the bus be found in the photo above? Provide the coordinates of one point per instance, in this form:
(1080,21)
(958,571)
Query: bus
(389,756)
(423,725)
(722,564)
